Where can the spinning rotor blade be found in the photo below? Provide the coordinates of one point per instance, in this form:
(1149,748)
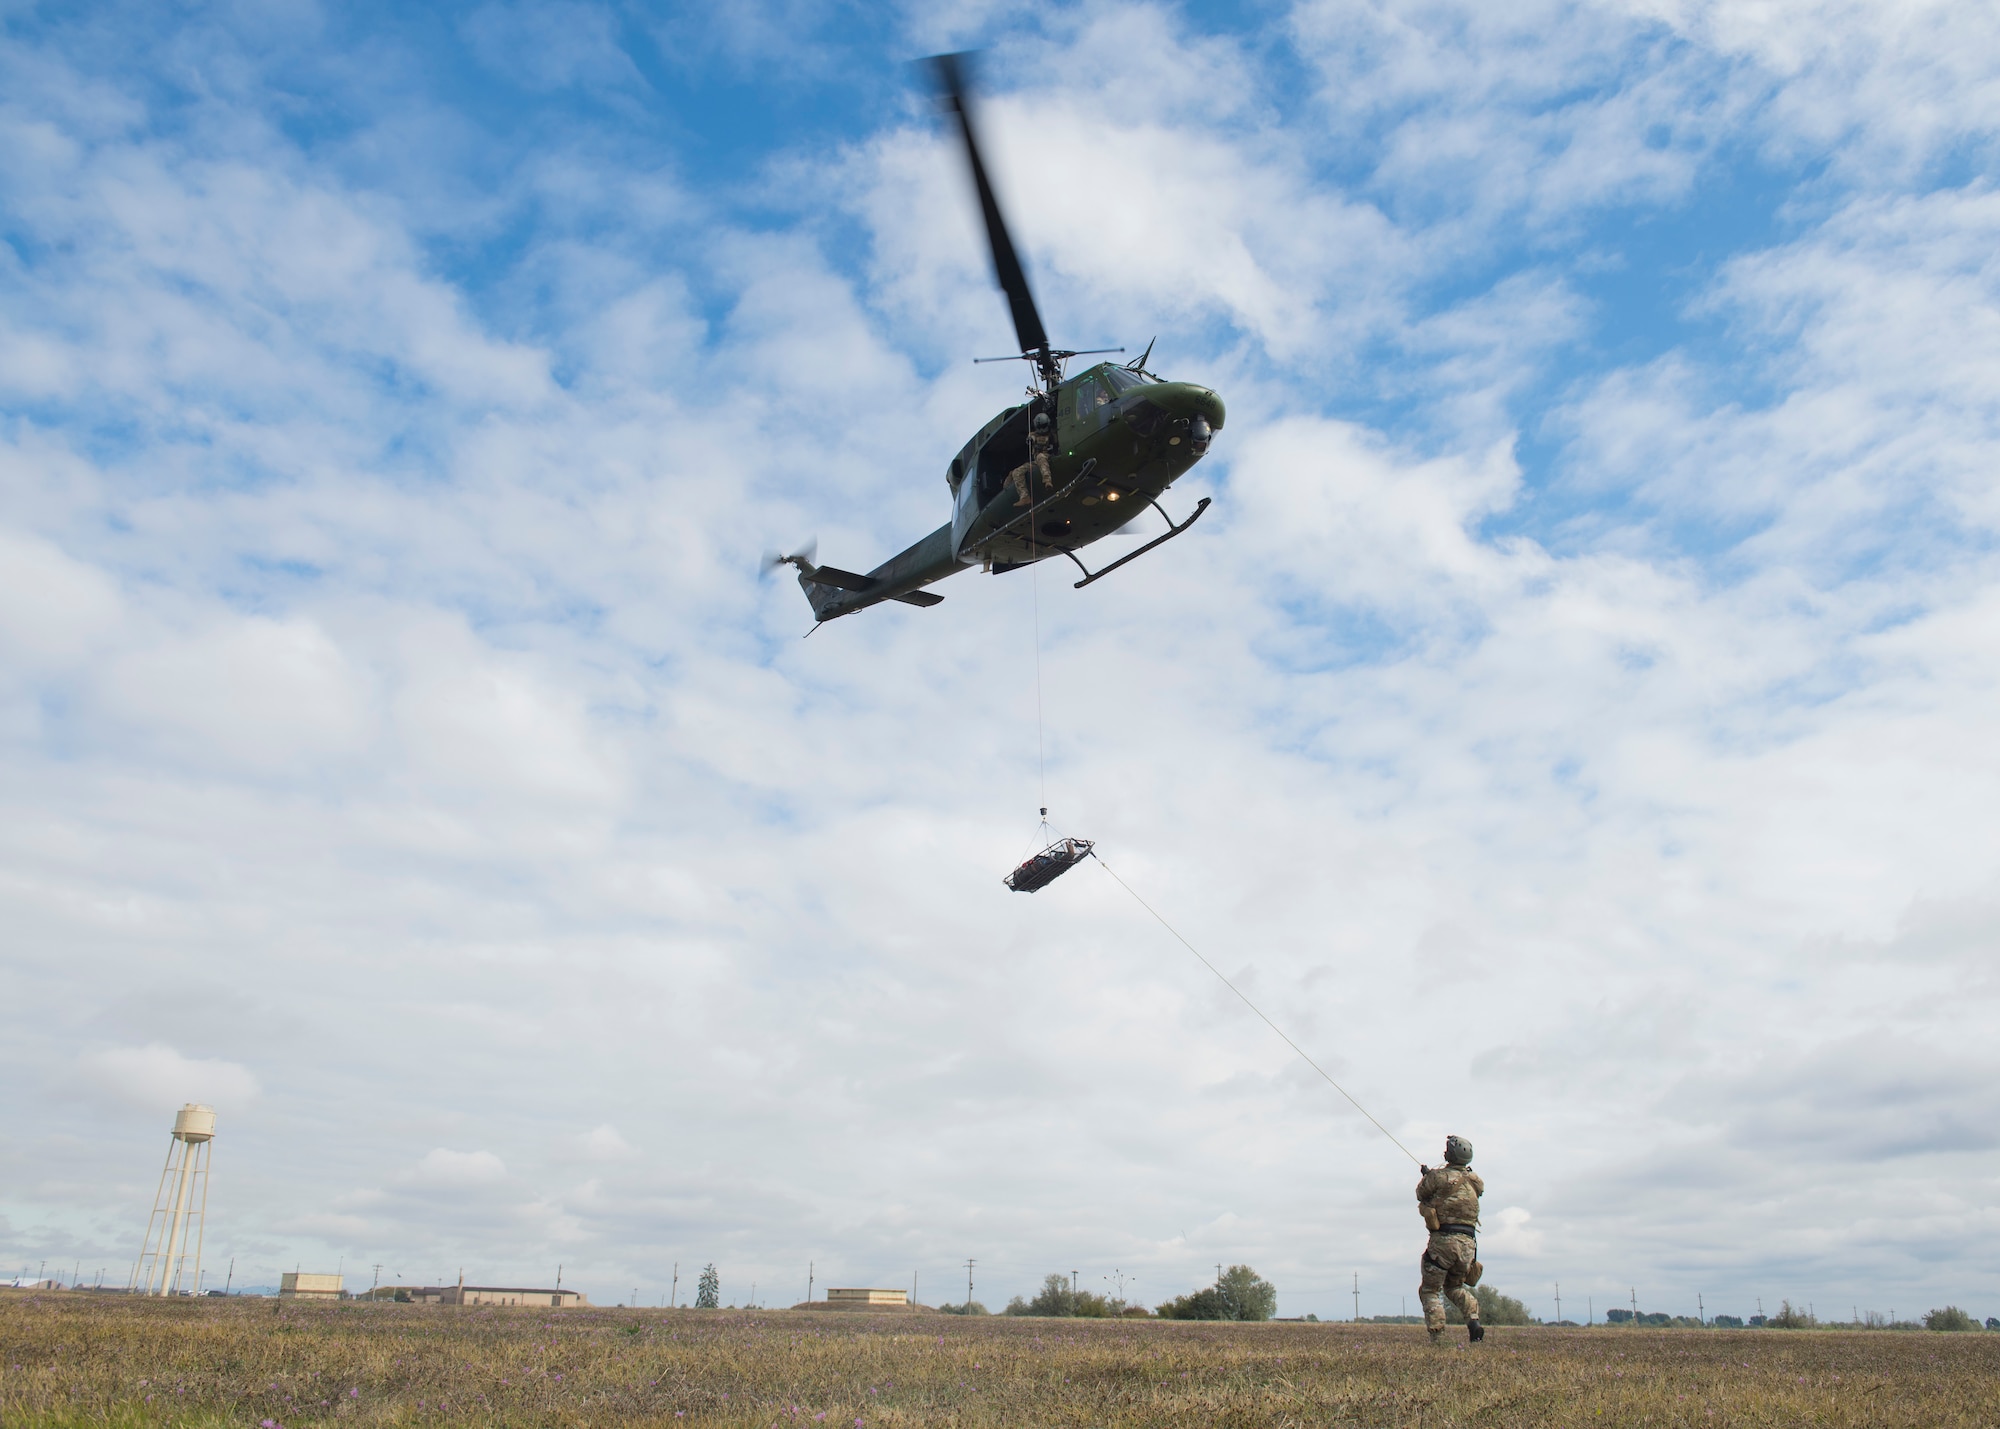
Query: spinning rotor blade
(950,71)
(806,554)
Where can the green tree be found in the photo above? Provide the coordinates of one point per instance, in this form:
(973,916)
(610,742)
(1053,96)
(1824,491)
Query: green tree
(1497,1309)
(1950,1318)
(1201,1305)
(708,1291)
(1239,1294)
(1789,1319)
(1056,1298)
(970,1307)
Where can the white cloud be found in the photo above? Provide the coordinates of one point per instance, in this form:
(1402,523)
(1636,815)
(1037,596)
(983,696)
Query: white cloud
(259,691)
(54,610)
(603,1143)
(1506,1233)
(155,1077)
(444,1167)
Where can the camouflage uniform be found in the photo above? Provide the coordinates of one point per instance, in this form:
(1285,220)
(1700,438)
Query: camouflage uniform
(1037,462)
(1449,1196)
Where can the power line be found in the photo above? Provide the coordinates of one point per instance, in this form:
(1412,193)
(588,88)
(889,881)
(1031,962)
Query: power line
(1256,1009)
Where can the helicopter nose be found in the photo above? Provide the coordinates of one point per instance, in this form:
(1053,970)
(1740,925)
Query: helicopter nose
(1198,414)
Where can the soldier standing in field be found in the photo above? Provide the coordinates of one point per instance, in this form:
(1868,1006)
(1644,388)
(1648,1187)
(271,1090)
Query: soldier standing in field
(1448,1200)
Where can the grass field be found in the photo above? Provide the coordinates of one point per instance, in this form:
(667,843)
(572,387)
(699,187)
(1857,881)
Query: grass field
(75,1360)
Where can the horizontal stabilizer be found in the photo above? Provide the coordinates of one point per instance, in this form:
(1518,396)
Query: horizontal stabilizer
(846,580)
(918,597)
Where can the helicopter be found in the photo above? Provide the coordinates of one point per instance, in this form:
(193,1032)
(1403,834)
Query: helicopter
(1076,461)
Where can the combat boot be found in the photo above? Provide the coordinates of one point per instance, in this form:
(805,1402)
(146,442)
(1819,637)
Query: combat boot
(1474,1332)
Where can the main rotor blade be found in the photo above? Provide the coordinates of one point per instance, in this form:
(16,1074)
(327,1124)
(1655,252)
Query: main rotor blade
(1006,263)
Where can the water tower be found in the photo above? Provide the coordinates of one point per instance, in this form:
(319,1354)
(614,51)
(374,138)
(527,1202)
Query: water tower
(180,1209)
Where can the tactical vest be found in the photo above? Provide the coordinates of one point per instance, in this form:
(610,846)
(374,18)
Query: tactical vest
(1449,1196)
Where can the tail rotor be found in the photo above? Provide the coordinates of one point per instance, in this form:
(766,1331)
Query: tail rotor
(804,558)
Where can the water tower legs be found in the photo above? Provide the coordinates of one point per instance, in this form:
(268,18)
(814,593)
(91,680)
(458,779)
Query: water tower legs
(181,1211)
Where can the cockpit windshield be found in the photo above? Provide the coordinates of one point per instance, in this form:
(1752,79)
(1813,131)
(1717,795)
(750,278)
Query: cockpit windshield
(1122,380)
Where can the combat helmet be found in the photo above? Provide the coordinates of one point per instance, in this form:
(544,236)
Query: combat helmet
(1457,1151)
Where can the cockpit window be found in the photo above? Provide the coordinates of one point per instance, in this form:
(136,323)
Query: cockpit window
(1122,380)
(1089,397)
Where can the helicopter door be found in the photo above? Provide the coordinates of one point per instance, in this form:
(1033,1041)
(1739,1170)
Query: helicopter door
(1006,449)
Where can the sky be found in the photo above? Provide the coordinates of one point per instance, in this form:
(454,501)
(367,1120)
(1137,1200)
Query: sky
(1571,722)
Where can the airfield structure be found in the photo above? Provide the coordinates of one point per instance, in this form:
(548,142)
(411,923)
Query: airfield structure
(862,1298)
(180,1209)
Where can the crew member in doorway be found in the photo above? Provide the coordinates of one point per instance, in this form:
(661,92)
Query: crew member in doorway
(1448,1200)
(1039,443)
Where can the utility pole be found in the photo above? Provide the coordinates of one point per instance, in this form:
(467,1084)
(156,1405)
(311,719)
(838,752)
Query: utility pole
(809,1282)
(675,1301)
(461,1287)
(1072,1284)
(1218,1272)
(968,1286)
(378,1281)
(1700,1310)
(558,1277)
(1357,1297)
(225,1284)
(1590,1310)
(1559,1301)
(1635,1305)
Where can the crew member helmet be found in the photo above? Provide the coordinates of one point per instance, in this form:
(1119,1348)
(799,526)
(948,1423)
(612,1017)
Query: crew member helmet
(1457,1151)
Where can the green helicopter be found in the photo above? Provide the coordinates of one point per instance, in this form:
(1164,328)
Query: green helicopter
(1073,463)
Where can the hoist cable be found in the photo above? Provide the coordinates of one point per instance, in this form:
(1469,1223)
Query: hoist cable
(1254,1008)
(1041,758)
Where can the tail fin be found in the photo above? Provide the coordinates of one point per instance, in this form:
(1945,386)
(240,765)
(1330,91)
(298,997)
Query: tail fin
(823,597)
(823,585)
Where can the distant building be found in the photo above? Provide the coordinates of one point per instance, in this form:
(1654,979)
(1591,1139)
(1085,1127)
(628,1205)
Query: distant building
(504,1295)
(895,1299)
(306,1286)
(476,1295)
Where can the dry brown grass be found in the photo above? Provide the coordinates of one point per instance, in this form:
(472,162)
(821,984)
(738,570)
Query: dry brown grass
(74,1360)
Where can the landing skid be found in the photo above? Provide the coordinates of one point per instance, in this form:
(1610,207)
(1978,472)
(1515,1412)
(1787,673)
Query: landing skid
(1172,531)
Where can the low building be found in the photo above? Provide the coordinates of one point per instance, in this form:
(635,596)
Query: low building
(875,1299)
(296,1285)
(505,1295)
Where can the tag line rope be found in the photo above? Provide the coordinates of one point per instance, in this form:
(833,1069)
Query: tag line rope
(1255,1008)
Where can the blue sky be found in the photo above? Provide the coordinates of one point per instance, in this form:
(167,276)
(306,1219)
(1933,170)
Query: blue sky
(1571,720)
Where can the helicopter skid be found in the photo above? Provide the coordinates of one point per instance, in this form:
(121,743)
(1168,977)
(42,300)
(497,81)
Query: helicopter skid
(1172,531)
